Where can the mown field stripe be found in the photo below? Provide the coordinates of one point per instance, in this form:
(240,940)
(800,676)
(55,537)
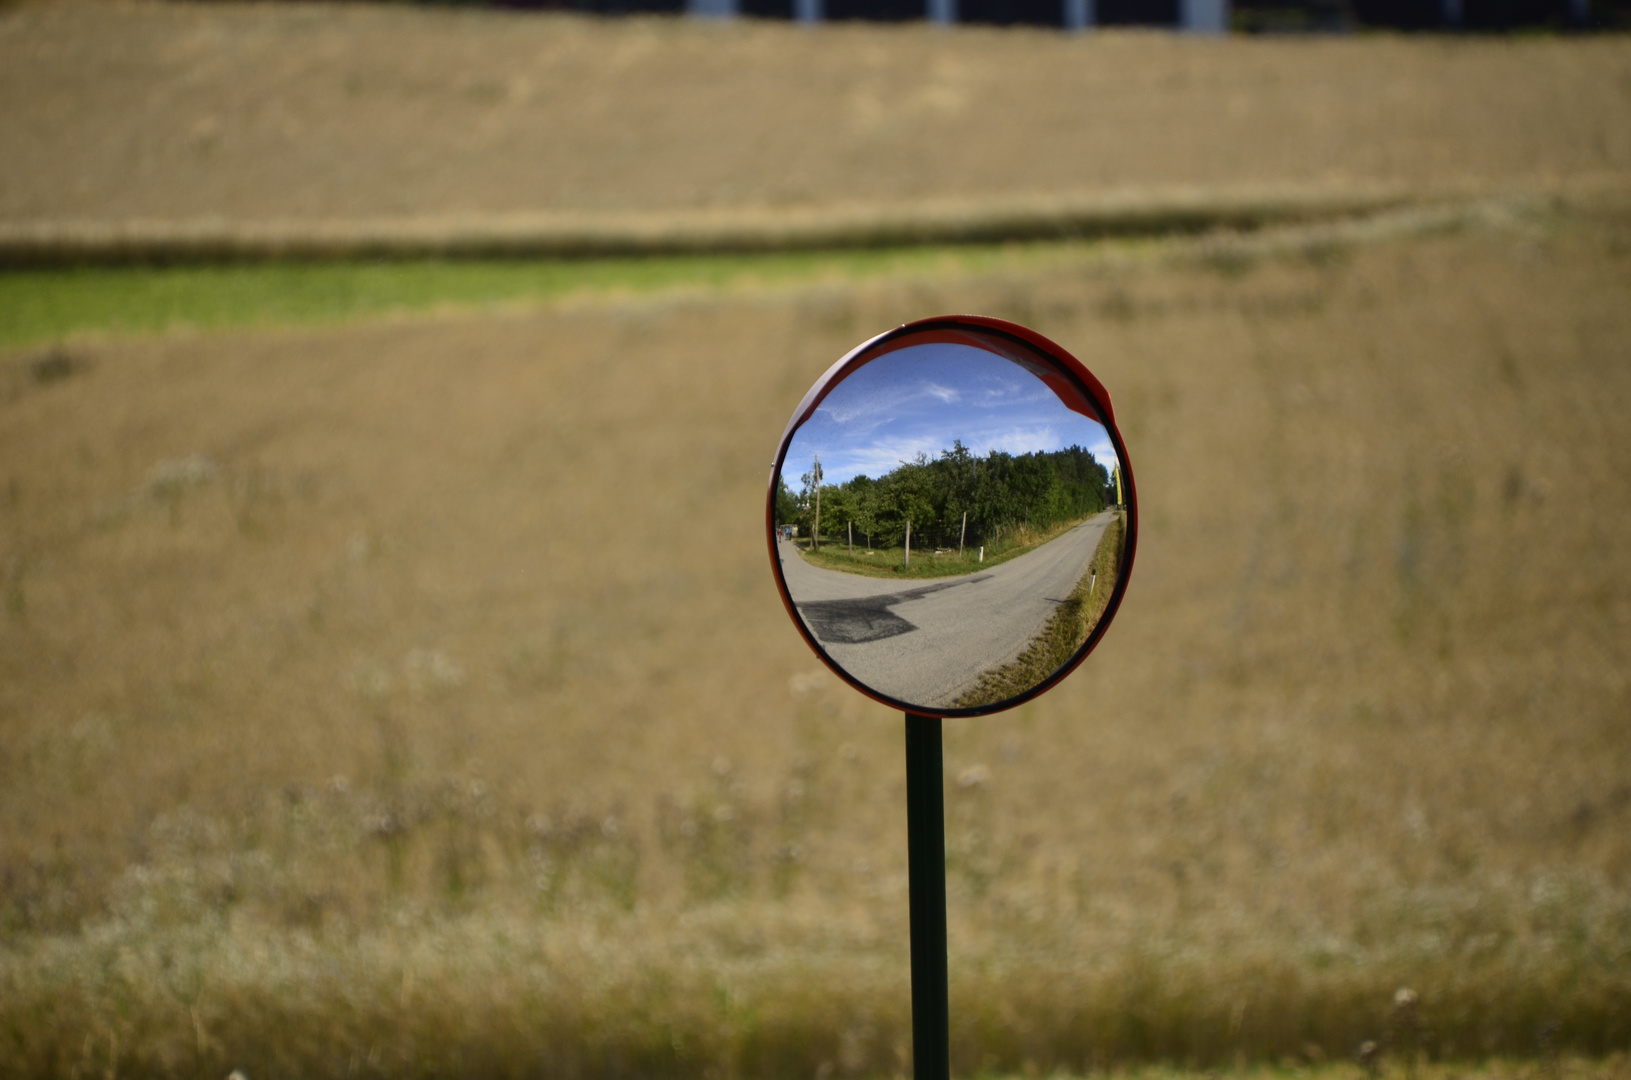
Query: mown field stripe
(48,303)
(1176,211)
(1154,212)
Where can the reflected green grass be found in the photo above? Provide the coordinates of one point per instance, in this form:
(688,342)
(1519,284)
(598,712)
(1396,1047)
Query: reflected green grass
(48,305)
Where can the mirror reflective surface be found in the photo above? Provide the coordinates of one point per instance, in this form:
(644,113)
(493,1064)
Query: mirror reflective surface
(951,515)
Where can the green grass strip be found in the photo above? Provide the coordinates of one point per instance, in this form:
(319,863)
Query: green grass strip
(38,306)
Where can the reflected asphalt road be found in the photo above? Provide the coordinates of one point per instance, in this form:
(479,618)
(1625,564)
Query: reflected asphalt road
(926,641)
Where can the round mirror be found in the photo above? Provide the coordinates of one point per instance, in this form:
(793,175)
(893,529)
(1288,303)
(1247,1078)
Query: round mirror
(951,515)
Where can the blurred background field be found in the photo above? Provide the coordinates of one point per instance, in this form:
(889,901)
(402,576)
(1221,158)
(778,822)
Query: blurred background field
(418,686)
(262,113)
(397,686)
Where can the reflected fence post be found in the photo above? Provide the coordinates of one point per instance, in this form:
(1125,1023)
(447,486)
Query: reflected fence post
(926,873)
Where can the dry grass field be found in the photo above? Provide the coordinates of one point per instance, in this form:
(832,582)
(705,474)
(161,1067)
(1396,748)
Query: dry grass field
(119,112)
(412,696)
(405,693)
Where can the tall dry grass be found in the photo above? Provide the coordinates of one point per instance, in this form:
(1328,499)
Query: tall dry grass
(413,697)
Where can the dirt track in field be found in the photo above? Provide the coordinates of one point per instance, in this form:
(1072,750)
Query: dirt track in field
(120,112)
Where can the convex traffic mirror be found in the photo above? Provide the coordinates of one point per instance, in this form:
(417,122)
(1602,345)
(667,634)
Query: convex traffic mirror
(952,516)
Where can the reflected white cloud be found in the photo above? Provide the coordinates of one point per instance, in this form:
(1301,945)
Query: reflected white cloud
(921,399)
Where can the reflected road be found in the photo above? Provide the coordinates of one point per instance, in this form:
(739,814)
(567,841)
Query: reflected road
(925,642)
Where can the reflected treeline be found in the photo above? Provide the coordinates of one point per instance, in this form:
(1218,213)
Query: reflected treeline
(999,492)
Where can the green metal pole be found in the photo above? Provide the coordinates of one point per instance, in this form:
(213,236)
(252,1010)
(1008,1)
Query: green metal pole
(926,872)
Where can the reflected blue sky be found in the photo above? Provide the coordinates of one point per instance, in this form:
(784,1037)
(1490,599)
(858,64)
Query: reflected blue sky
(924,397)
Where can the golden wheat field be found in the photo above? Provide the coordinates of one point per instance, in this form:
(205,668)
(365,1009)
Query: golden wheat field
(410,696)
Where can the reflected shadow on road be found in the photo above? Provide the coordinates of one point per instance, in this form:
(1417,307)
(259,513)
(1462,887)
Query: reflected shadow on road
(867,618)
